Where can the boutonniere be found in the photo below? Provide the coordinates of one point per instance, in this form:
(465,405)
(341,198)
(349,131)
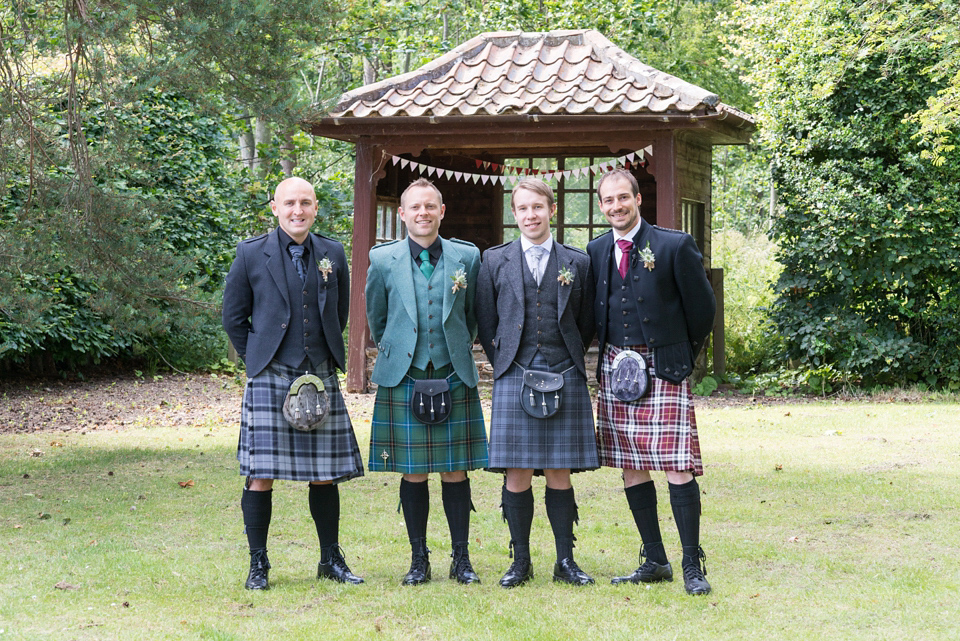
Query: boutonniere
(566,276)
(325,267)
(646,255)
(459,279)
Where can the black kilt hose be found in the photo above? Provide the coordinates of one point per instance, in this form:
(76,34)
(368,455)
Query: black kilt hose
(657,432)
(269,448)
(401,443)
(566,440)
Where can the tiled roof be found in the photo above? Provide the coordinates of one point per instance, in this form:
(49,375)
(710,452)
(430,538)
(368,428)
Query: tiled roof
(554,73)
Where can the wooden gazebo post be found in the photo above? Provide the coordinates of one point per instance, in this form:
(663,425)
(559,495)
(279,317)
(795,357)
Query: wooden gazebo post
(366,169)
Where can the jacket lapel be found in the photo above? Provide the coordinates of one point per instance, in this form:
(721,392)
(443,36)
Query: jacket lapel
(400,269)
(275,256)
(564,261)
(516,263)
(451,263)
(317,254)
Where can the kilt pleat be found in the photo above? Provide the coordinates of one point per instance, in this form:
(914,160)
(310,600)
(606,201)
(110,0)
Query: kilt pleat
(566,440)
(658,432)
(401,443)
(269,448)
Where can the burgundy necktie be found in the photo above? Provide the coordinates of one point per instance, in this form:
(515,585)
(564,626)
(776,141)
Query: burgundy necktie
(625,247)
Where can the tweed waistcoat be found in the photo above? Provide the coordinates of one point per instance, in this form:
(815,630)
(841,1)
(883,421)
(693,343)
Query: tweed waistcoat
(624,325)
(304,337)
(541,324)
(431,341)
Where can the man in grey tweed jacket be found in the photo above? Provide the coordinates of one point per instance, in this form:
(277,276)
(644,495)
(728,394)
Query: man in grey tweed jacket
(535,313)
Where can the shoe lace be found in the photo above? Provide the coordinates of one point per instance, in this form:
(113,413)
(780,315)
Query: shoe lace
(693,570)
(335,557)
(259,563)
(461,558)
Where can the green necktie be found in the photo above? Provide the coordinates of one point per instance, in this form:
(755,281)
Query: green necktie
(425,267)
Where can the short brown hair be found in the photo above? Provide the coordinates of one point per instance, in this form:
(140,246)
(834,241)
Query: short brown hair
(421,182)
(620,173)
(535,185)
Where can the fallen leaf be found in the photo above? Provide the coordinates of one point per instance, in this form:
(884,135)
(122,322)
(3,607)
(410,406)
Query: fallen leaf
(787,414)
(189,483)
(63,585)
(793,539)
(17,527)
(43,516)
(778,467)
(66,521)
(56,444)
(36,453)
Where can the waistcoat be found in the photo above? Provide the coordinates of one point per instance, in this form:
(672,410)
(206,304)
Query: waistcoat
(624,326)
(431,341)
(541,323)
(304,337)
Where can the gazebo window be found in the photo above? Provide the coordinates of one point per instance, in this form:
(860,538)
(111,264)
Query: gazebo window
(389,225)
(579,219)
(693,214)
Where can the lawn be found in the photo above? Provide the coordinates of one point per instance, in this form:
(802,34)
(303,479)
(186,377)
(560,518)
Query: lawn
(821,521)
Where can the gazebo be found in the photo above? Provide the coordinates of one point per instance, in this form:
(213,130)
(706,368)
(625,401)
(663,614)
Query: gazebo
(562,105)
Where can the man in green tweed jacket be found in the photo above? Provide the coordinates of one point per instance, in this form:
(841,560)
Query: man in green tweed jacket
(420,311)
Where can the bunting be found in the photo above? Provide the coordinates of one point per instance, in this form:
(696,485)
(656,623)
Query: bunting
(503,173)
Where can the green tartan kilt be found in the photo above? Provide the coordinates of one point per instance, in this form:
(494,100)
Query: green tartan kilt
(401,443)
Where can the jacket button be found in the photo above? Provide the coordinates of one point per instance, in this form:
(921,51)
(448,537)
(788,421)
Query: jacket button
(636,278)
(414,330)
(646,320)
(283,325)
(409,354)
(652,341)
(640,300)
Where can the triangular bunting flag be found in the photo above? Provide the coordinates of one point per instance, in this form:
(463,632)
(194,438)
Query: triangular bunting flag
(486,164)
(396,159)
(458,175)
(484,178)
(403,163)
(631,156)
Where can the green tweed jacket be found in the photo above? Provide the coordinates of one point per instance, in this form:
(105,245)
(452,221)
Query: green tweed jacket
(392,309)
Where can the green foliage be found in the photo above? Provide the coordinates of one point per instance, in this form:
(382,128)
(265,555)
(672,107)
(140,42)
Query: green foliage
(707,386)
(143,263)
(752,343)
(870,282)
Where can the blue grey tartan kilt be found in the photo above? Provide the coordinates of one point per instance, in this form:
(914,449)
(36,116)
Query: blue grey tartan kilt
(401,443)
(566,440)
(269,448)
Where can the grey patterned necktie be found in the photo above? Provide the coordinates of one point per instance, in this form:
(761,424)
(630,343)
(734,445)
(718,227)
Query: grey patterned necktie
(296,254)
(535,256)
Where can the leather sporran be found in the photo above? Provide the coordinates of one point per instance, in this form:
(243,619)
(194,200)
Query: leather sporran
(307,405)
(541,393)
(431,400)
(630,378)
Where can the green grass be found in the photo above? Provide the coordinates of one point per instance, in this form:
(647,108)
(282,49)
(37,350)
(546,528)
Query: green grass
(821,521)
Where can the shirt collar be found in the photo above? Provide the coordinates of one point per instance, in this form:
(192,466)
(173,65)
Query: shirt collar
(435,248)
(630,234)
(526,244)
(286,241)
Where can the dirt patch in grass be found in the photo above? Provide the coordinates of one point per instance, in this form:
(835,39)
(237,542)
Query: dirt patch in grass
(122,400)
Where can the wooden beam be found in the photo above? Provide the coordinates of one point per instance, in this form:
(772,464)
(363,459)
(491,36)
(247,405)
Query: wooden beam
(664,167)
(719,339)
(368,165)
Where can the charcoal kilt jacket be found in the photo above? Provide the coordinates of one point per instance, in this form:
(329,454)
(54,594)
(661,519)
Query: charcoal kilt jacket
(674,299)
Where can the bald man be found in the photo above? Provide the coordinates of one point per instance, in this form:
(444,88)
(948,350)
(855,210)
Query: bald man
(285,304)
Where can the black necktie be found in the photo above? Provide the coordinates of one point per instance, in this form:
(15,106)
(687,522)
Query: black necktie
(296,254)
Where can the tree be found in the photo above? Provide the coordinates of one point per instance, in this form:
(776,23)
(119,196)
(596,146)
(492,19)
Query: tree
(866,225)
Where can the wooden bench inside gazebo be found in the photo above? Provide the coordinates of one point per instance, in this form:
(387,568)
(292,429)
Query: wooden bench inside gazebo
(563,105)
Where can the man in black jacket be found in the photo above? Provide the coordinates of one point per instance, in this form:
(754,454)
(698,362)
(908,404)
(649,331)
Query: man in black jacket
(654,306)
(285,305)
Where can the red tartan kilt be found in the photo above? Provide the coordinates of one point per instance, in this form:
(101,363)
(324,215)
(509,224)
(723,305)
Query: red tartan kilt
(658,432)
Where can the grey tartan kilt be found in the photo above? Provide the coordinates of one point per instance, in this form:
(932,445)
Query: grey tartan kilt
(566,440)
(269,448)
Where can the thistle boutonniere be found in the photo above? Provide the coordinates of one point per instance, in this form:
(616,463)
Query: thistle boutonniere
(646,255)
(325,267)
(566,276)
(459,279)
